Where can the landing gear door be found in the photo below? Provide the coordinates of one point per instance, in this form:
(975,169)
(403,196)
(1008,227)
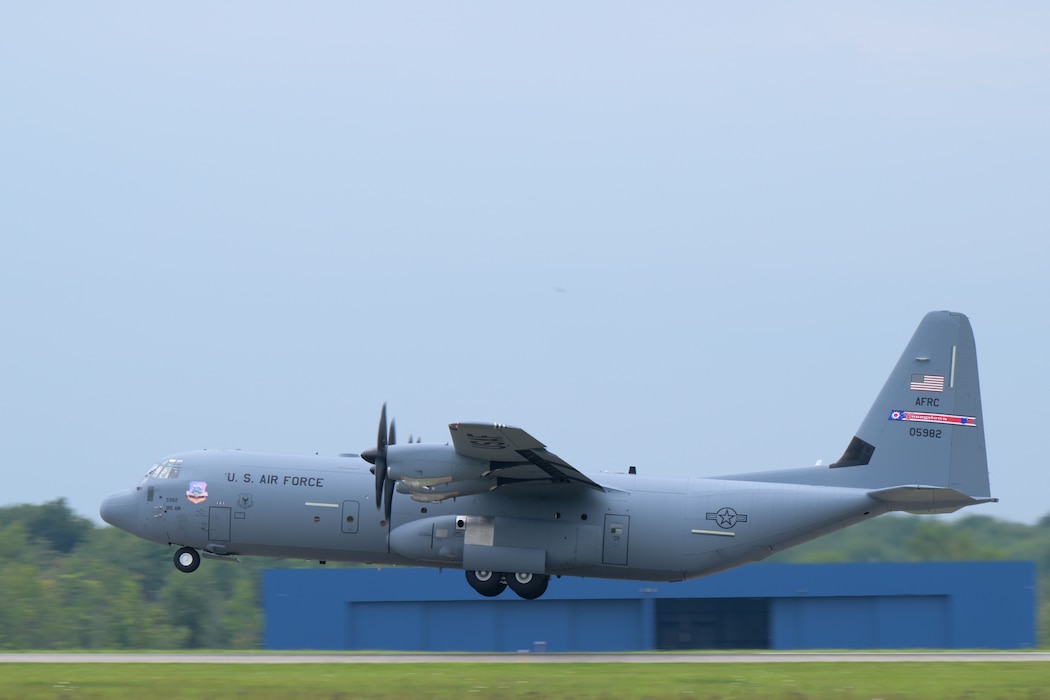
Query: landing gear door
(614,549)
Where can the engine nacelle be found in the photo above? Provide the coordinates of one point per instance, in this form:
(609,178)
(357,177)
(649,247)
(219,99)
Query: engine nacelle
(420,466)
(441,491)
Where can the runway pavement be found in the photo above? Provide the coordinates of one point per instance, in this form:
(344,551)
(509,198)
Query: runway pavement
(629,658)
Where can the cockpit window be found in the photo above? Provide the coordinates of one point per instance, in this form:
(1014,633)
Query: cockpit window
(168,469)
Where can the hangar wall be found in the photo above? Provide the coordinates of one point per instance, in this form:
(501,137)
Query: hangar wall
(949,605)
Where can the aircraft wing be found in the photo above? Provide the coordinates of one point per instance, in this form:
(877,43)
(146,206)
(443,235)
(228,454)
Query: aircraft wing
(515,455)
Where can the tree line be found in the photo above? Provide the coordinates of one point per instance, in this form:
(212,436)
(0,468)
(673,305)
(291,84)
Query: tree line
(69,584)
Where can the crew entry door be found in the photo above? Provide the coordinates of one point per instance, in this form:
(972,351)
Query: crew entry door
(219,524)
(350,512)
(614,549)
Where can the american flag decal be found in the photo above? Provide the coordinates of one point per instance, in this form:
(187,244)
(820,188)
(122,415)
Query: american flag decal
(927,382)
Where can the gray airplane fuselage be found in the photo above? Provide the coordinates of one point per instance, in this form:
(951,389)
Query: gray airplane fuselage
(322,508)
(498,504)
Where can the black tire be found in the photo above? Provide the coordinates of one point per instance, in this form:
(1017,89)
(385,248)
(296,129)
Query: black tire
(528,586)
(187,559)
(487,583)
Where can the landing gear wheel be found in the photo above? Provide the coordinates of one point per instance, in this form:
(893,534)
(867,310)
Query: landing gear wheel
(187,559)
(528,586)
(487,583)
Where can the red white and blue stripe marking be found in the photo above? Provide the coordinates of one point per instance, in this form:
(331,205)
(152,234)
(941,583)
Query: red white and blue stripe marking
(933,418)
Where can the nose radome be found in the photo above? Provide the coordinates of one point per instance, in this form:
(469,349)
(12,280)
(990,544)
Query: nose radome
(121,510)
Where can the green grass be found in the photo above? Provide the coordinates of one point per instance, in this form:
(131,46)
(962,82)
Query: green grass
(801,681)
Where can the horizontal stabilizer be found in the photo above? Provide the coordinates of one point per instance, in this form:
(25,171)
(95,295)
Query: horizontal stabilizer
(926,499)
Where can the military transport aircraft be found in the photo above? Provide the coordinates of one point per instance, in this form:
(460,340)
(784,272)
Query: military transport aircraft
(497,504)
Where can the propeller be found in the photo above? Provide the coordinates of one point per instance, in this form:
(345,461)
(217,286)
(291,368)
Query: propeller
(377,456)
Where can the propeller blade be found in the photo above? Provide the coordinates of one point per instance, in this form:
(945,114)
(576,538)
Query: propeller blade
(380,456)
(388,499)
(380,476)
(381,438)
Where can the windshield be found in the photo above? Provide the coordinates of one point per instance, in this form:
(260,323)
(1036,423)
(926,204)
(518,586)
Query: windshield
(168,469)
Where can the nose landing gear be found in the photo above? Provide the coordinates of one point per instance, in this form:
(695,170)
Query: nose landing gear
(187,559)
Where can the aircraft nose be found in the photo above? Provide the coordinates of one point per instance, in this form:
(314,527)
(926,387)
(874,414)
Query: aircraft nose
(121,510)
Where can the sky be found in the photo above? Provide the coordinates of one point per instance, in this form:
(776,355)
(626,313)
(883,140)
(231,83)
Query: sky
(692,237)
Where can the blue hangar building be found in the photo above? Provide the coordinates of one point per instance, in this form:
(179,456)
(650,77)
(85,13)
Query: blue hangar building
(949,605)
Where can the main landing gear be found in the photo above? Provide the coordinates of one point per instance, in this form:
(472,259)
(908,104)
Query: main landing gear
(492,583)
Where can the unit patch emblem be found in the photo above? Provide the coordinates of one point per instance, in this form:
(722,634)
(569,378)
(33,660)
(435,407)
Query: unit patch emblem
(197,492)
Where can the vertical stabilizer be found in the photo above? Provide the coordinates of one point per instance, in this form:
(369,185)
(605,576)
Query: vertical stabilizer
(921,446)
(926,428)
